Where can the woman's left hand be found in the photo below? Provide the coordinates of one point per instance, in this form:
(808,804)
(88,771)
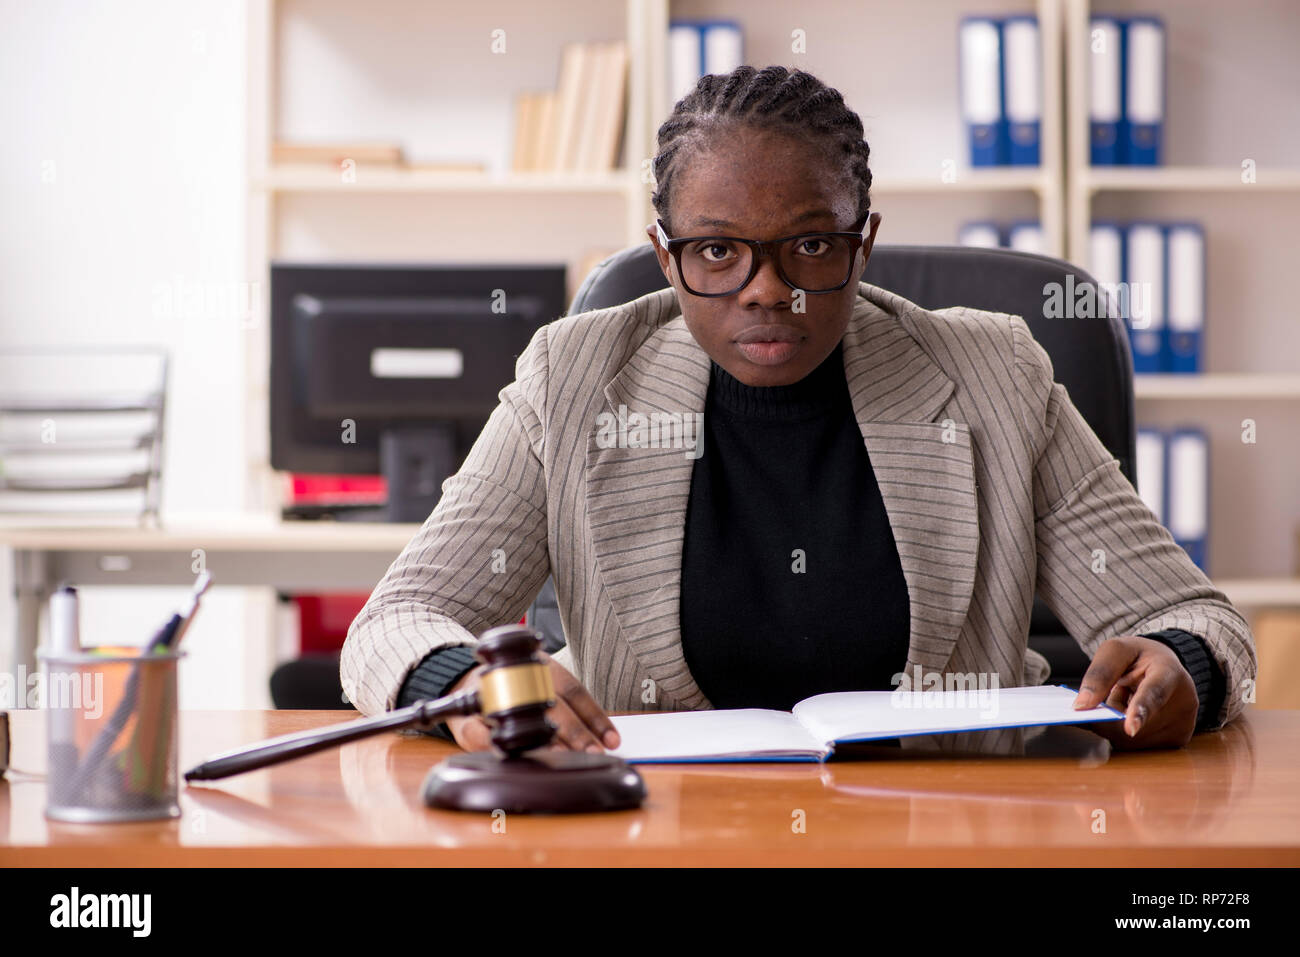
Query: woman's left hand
(1143,678)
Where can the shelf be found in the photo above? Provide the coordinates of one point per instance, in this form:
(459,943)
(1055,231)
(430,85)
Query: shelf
(1218,386)
(1187,178)
(1261,592)
(1003,179)
(317,179)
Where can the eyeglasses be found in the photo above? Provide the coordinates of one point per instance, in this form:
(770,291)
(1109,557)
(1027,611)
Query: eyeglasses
(713,266)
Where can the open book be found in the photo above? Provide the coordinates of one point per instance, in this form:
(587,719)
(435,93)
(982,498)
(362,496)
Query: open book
(819,723)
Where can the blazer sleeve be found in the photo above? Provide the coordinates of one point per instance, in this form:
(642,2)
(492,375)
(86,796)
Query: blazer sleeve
(1106,566)
(477,561)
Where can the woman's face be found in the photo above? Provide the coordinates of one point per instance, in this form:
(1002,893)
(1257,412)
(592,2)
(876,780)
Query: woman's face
(761,185)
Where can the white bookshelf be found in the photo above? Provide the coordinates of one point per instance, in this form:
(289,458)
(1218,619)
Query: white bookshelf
(308,179)
(1092,180)
(327,69)
(1218,386)
(1231,73)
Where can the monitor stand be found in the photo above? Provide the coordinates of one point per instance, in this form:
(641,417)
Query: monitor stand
(415,462)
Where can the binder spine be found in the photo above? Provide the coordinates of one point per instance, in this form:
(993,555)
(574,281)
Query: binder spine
(1106,263)
(1185,325)
(982,93)
(1106,85)
(1144,107)
(1152,472)
(685,58)
(982,233)
(1022,75)
(1026,236)
(1146,282)
(1189,493)
(721,46)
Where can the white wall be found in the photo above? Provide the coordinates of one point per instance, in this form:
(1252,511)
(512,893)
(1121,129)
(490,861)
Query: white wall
(121,191)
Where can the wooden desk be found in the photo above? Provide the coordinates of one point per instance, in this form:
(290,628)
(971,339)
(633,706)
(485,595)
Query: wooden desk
(1230,798)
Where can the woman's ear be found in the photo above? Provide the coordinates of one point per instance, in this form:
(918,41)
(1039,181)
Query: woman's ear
(873,222)
(660,252)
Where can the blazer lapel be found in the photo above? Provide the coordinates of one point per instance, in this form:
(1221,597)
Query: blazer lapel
(637,496)
(924,468)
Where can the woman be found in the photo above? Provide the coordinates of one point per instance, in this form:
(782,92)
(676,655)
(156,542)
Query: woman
(872,493)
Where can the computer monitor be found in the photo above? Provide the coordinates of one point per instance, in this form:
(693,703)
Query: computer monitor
(394,369)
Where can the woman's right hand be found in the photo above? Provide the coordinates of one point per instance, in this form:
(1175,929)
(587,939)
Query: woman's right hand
(581,724)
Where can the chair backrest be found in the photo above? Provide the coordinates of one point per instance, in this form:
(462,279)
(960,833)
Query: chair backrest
(1090,356)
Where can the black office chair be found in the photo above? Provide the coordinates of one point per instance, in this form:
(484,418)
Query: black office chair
(1090,358)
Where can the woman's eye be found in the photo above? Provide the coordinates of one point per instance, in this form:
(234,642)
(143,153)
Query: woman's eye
(714,252)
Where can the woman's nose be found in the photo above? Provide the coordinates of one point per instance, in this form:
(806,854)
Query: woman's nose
(767,288)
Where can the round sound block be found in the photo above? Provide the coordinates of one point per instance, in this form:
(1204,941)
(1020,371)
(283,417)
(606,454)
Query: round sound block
(540,782)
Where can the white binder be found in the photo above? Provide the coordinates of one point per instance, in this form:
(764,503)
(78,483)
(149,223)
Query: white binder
(1027,237)
(685,59)
(1186,319)
(1151,470)
(1104,88)
(1023,87)
(1189,499)
(1106,263)
(723,47)
(1146,286)
(982,234)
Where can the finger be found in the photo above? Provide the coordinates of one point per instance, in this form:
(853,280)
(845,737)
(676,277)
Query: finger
(1151,696)
(584,706)
(1120,695)
(1113,658)
(571,730)
(471,732)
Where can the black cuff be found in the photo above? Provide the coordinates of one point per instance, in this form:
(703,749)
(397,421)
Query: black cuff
(434,677)
(1194,654)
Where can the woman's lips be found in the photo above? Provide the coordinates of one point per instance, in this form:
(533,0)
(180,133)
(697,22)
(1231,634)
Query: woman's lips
(769,345)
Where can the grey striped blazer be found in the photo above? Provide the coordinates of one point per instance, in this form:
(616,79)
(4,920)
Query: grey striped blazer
(992,481)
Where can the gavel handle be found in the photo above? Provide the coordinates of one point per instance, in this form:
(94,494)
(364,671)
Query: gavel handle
(288,746)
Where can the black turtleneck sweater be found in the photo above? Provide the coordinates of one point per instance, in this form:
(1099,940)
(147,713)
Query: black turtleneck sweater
(791,580)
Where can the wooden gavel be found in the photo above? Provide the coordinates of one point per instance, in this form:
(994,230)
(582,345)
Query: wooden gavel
(514,692)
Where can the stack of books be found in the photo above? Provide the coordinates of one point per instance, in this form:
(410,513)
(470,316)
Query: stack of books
(578,126)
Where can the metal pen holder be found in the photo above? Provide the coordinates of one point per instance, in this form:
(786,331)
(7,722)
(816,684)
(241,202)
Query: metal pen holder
(112,737)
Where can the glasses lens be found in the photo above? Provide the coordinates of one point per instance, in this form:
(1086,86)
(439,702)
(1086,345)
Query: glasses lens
(816,263)
(715,266)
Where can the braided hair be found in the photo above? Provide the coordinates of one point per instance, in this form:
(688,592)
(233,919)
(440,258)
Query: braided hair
(773,98)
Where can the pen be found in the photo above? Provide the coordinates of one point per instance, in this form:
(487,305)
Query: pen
(65,629)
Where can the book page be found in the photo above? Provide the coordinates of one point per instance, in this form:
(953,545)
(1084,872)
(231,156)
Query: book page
(741,732)
(865,715)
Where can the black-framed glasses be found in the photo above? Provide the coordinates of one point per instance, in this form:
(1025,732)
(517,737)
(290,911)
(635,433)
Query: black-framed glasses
(714,266)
